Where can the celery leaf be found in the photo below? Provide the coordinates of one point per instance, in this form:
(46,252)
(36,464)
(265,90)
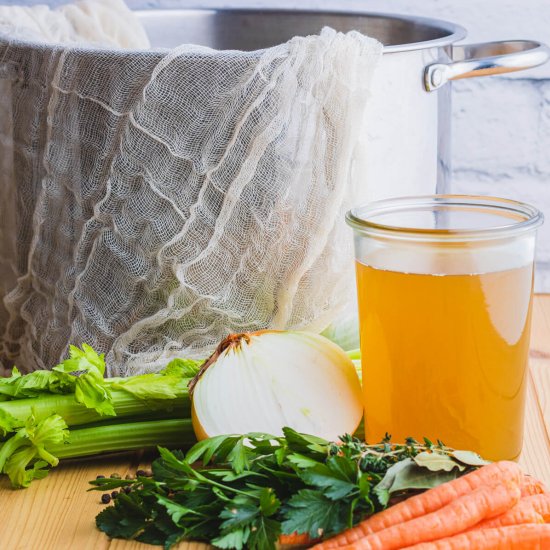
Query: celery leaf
(92,392)
(186,368)
(7,385)
(30,444)
(152,386)
(16,467)
(170,383)
(84,370)
(8,423)
(85,358)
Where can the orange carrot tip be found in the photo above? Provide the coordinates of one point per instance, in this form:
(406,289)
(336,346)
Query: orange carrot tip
(532,486)
(531,509)
(541,504)
(428,502)
(520,537)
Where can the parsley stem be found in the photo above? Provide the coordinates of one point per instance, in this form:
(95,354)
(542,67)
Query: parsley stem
(204,479)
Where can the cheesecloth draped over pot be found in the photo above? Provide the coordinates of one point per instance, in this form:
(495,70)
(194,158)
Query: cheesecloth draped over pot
(154,201)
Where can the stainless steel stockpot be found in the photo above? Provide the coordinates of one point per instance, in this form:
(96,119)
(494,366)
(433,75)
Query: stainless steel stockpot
(405,149)
(407,142)
(406,145)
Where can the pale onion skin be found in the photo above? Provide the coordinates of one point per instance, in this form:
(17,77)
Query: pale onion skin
(296,379)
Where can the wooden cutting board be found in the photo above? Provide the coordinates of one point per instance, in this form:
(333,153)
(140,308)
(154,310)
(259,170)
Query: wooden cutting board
(58,514)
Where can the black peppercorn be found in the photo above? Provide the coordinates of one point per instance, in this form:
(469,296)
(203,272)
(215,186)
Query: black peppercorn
(105,498)
(114,494)
(100,476)
(115,476)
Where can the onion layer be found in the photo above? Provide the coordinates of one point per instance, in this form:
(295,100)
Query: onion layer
(264,381)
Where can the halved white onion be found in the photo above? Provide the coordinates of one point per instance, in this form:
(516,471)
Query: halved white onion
(264,381)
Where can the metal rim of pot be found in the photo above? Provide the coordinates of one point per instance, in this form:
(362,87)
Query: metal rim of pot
(468,60)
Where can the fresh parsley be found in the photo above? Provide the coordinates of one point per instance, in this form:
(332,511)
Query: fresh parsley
(245,491)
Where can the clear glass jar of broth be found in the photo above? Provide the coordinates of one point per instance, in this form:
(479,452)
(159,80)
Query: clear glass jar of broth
(445,286)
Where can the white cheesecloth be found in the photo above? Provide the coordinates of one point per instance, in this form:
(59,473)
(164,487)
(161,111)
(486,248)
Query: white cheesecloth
(155,201)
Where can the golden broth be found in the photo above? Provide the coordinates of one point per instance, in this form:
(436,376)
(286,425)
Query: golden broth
(445,356)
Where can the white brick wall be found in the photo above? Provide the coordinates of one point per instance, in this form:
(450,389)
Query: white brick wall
(501,132)
(501,146)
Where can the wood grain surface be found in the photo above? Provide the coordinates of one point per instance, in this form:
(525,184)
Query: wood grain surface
(58,514)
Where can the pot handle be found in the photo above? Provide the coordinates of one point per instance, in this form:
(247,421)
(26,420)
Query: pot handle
(486,59)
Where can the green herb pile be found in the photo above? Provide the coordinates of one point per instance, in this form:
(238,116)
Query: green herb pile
(245,491)
(74,411)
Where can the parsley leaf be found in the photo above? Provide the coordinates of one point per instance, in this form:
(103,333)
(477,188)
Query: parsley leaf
(312,512)
(264,534)
(232,539)
(334,477)
(239,456)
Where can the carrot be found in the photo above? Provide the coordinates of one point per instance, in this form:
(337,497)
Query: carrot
(533,509)
(532,486)
(513,537)
(427,502)
(295,539)
(464,512)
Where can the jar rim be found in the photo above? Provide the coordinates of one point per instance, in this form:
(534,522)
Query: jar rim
(526,217)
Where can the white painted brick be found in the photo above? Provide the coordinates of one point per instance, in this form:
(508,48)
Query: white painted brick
(543,142)
(542,278)
(525,189)
(530,192)
(496,126)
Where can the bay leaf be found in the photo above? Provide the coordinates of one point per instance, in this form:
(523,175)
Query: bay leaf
(416,477)
(383,488)
(437,462)
(469,458)
(407,475)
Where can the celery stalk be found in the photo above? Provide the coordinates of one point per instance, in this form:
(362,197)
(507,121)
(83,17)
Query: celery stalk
(125,437)
(125,404)
(27,454)
(121,414)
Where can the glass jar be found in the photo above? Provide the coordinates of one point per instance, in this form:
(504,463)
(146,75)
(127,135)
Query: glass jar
(445,285)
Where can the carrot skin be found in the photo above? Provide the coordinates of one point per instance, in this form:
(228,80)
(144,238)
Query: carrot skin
(295,539)
(457,516)
(531,509)
(512,537)
(532,486)
(427,502)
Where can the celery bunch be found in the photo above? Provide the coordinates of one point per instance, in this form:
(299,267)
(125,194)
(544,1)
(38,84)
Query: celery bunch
(73,411)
